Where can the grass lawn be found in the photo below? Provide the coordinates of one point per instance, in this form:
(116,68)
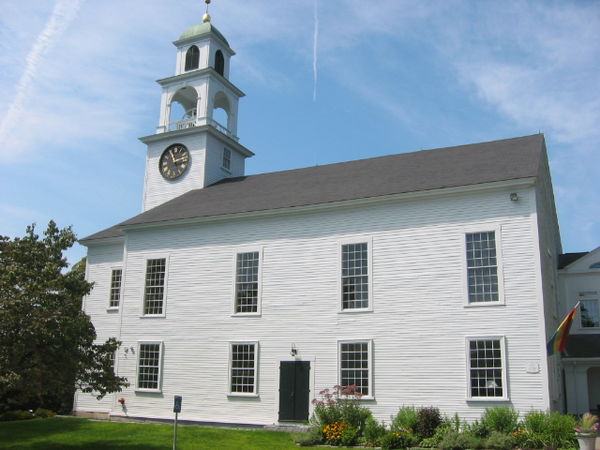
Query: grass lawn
(70,433)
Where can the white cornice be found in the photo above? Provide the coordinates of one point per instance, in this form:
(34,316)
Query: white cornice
(293,210)
(169,135)
(102,241)
(206,72)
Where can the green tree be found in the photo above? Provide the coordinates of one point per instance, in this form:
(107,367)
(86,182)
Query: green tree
(47,343)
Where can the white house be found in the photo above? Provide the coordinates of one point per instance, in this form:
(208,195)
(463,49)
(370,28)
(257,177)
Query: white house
(579,276)
(424,278)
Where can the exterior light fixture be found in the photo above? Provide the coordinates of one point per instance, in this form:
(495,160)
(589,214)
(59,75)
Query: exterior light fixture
(293,350)
(514,197)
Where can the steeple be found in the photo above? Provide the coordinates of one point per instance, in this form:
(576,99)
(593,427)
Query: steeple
(198,119)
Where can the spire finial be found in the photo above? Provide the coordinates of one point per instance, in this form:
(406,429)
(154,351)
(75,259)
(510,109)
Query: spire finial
(206,16)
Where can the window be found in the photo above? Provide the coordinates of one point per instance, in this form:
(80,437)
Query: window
(226,158)
(192,58)
(246,282)
(355,365)
(355,276)
(149,365)
(482,267)
(115,288)
(590,313)
(486,368)
(220,63)
(155,286)
(596,265)
(243,374)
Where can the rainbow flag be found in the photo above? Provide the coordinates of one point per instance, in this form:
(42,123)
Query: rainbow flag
(559,339)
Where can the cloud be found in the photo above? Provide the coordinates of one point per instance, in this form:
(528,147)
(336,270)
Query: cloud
(63,13)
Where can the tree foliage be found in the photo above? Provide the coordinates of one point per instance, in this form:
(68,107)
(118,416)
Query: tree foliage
(47,343)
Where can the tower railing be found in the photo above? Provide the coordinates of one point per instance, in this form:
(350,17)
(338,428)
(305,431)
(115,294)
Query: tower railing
(191,122)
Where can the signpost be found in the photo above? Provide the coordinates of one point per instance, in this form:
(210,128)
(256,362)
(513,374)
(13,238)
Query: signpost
(176,409)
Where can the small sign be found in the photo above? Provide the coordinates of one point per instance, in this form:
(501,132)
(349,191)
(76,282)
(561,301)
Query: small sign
(177,404)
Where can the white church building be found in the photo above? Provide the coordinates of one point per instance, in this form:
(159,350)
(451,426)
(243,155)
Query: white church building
(425,278)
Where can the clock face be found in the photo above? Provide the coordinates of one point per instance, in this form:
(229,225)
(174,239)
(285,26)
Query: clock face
(174,161)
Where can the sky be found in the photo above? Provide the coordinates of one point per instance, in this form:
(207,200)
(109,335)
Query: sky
(325,81)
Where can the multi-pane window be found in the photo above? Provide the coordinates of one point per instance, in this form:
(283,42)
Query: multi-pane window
(243,368)
(355,276)
(149,361)
(154,290)
(590,313)
(115,288)
(355,365)
(226,158)
(246,282)
(486,368)
(482,267)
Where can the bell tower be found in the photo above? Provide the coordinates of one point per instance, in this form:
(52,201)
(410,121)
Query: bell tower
(196,141)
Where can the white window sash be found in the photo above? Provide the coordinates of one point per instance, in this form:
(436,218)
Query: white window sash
(505,394)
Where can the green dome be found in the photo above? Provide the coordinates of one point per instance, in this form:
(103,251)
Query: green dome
(200,29)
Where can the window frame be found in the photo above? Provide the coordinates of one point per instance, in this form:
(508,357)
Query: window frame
(192,59)
(165,287)
(158,389)
(228,159)
(255,392)
(240,251)
(497,230)
(503,359)
(588,296)
(111,289)
(340,284)
(370,368)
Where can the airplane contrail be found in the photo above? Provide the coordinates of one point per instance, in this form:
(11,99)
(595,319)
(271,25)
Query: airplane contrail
(63,13)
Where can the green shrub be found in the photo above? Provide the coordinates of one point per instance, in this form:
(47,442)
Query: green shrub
(398,440)
(340,405)
(477,429)
(16,415)
(560,430)
(454,440)
(406,419)
(429,420)
(373,432)
(440,433)
(535,421)
(503,419)
(313,436)
(500,441)
(349,436)
(44,413)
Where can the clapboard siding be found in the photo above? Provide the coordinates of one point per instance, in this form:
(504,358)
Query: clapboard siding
(100,262)
(418,324)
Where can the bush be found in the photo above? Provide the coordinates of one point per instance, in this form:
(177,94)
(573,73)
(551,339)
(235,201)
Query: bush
(478,429)
(438,436)
(314,436)
(429,420)
(503,419)
(341,405)
(16,415)
(500,441)
(44,413)
(373,432)
(349,436)
(454,440)
(397,440)
(406,419)
(560,430)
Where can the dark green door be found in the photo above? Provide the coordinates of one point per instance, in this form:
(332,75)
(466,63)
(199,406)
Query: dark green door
(293,390)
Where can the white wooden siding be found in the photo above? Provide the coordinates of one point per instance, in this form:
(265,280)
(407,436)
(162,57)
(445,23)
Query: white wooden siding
(100,262)
(418,324)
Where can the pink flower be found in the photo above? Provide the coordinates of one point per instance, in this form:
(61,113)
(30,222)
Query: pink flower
(122,400)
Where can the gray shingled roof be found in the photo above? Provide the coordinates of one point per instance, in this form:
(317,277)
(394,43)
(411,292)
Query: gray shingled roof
(567,259)
(449,167)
